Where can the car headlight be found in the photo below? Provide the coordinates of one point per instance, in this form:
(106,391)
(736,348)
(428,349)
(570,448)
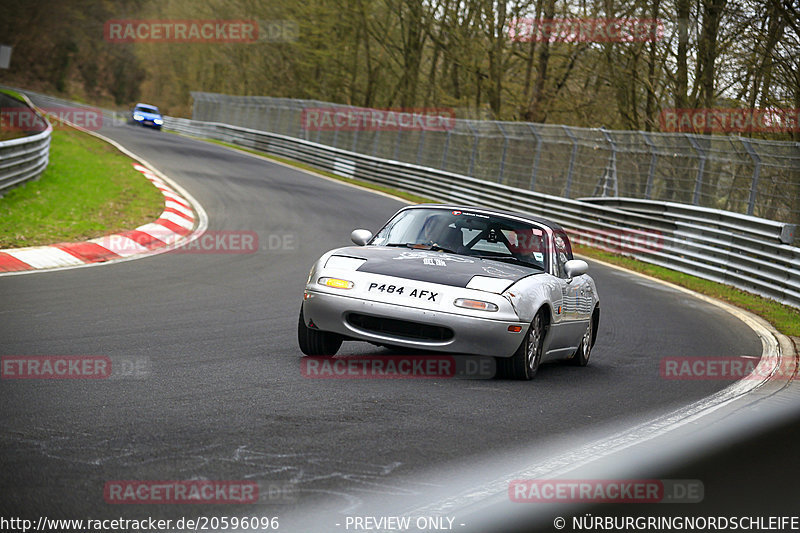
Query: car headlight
(478,305)
(137,116)
(158,121)
(335,283)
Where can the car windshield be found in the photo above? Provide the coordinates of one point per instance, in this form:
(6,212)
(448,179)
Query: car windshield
(467,233)
(147,109)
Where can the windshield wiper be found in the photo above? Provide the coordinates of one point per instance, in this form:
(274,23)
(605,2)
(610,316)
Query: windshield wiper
(509,258)
(420,246)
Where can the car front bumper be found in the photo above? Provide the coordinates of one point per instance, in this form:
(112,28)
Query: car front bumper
(471,335)
(150,123)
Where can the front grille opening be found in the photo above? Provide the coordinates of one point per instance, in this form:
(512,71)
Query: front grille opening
(399,328)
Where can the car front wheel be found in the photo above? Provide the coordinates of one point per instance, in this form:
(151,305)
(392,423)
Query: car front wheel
(315,342)
(525,362)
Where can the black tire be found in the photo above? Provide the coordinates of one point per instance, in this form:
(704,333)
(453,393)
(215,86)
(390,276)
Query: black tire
(524,364)
(315,342)
(581,357)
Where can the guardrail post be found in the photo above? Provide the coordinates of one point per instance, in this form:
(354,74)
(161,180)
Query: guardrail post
(375,142)
(239,110)
(536,157)
(756,171)
(701,166)
(267,117)
(304,134)
(335,136)
(611,168)
(397,144)
(648,191)
(571,160)
(505,149)
(446,146)
(474,150)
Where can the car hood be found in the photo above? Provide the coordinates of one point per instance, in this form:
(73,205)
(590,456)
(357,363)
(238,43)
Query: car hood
(432,267)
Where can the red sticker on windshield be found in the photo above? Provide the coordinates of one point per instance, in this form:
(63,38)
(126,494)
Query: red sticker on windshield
(456,213)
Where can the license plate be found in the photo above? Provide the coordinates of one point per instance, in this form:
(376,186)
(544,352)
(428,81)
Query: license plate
(405,291)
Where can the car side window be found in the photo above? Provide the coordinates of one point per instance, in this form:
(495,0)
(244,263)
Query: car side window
(563,252)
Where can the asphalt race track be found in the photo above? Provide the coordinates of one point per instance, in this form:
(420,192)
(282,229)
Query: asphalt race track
(219,393)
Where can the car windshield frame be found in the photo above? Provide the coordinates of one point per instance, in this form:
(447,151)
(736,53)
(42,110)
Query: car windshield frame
(483,235)
(147,109)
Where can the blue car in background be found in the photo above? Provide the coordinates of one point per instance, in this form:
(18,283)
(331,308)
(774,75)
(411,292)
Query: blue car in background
(147,115)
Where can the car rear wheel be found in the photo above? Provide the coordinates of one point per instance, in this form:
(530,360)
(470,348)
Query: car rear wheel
(581,357)
(524,364)
(315,342)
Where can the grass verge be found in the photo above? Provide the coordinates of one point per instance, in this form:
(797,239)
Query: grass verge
(784,318)
(89,189)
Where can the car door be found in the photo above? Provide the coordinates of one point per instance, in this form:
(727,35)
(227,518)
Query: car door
(576,296)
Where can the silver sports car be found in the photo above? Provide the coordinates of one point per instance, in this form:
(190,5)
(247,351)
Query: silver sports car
(457,280)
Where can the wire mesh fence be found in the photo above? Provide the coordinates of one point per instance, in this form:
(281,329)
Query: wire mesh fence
(738,174)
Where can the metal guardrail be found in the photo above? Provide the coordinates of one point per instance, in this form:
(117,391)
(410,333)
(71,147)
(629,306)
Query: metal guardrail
(24,158)
(747,252)
(733,173)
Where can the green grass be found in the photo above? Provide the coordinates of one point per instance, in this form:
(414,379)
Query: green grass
(89,189)
(786,319)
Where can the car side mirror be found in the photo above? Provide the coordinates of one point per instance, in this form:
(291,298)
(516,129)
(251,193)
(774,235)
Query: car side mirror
(361,236)
(575,267)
